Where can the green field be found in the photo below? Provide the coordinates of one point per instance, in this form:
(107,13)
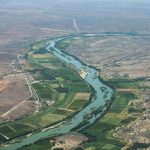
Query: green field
(77,104)
(2,138)
(51,118)
(5,130)
(116,116)
(58,82)
(41,145)
(63,112)
(12,130)
(121,101)
(108,146)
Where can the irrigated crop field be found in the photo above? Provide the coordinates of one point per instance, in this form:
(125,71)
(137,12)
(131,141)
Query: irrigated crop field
(103,133)
(106,133)
(60,89)
(12,130)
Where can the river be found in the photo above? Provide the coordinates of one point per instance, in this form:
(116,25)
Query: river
(87,115)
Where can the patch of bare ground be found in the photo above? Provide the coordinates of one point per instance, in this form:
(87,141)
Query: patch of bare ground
(20,28)
(3,84)
(14,90)
(146,84)
(82,96)
(26,27)
(136,131)
(127,90)
(5,63)
(116,56)
(5,69)
(68,141)
(22,109)
(6,57)
(6,60)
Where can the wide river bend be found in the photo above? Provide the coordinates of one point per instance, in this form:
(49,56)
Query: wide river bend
(88,115)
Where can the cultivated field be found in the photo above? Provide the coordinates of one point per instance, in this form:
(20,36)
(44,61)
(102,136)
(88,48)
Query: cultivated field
(60,89)
(11,130)
(124,122)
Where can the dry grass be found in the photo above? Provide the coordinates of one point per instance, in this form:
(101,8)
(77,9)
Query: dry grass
(13,91)
(41,56)
(22,109)
(51,118)
(121,54)
(69,141)
(82,96)
(3,84)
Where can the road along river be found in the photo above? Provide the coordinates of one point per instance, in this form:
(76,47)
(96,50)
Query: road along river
(87,115)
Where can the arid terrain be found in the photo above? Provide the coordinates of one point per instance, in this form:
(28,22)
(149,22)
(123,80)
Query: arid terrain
(13,93)
(21,24)
(117,56)
(69,141)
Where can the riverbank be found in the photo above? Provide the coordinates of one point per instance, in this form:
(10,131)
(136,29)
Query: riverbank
(88,114)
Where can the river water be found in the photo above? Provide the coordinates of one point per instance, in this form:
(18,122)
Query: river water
(87,115)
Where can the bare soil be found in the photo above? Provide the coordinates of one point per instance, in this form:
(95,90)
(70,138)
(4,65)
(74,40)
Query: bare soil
(24,108)
(3,84)
(115,56)
(69,141)
(14,90)
(82,96)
